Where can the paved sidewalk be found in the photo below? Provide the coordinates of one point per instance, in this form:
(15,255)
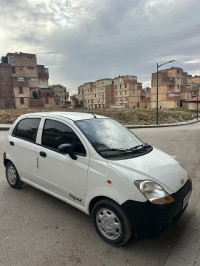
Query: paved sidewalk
(7,126)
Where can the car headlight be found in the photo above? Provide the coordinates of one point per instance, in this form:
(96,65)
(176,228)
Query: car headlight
(153,192)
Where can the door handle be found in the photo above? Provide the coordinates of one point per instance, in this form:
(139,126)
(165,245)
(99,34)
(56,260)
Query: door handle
(12,143)
(43,154)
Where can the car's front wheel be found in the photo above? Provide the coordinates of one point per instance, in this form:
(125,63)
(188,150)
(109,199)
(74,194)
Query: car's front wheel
(111,222)
(12,176)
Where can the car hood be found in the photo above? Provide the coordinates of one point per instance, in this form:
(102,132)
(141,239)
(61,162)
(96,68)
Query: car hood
(155,165)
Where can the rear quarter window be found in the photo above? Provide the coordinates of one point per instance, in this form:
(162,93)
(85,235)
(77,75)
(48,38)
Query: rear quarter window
(27,129)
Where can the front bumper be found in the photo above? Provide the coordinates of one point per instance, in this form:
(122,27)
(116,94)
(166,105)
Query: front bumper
(151,220)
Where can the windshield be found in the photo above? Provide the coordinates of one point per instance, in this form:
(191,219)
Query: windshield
(107,135)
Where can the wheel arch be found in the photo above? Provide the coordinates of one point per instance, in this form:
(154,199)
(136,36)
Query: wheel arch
(5,160)
(95,200)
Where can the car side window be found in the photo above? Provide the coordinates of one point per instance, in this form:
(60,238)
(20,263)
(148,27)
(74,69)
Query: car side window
(56,133)
(27,129)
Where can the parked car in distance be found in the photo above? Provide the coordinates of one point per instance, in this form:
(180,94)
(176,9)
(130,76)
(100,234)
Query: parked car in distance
(100,167)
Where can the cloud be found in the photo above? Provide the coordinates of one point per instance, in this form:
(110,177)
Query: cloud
(86,40)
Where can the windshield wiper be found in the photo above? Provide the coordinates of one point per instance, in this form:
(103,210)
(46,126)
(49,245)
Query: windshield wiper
(140,147)
(119,149)
(134,149)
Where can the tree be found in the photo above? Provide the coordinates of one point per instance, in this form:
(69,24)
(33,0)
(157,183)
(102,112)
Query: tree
(78,104)
(81,103)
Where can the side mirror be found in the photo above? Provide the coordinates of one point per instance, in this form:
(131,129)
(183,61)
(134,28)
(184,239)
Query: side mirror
(67,149)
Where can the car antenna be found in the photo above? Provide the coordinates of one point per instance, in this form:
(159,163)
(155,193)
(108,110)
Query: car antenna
(94,115)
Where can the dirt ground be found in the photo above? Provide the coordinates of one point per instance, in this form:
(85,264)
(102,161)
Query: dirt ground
(125,116)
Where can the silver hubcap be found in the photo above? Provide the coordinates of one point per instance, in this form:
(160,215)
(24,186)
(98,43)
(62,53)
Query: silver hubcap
(108,224)
(12,175)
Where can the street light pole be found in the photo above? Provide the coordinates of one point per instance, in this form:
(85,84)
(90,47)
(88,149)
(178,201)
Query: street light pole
(157,97)
(157,87)
(198,103)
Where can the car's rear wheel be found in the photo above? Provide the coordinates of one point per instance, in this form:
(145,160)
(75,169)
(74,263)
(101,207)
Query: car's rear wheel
(111,222)
(12,176)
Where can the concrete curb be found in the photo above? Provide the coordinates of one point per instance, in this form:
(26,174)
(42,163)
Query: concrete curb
(164,125)
(7,126)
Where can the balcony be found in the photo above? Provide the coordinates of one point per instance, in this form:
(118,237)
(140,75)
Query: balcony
(43,75)
(17,83)
(168,82)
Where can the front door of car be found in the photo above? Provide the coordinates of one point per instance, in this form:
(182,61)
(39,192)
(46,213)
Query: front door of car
(58,172)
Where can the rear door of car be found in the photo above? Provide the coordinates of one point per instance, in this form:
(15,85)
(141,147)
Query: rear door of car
(22,147)
(57,172)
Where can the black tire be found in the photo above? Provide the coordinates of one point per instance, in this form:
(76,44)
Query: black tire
(12,176)
(111,222)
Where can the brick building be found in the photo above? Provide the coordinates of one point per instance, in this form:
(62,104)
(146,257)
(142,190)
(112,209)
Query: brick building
(127,91)
(120,92)
(103,93)
(28,81)
(44,91)
(6,86)
(61,95)
(145,98)
(172,87)
(87,90)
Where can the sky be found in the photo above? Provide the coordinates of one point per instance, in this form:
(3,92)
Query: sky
(86,40)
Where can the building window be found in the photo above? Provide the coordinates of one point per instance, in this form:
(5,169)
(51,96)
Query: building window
(125,92)
(12,59)
(125,85)
(40,81)
(21,101)
(46,100)
(29,57)
(20,90)
(20,79)
(115,87)
(13,70)
(33,79)
(30,68)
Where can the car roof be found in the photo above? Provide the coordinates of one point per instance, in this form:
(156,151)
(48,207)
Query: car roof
(69,115)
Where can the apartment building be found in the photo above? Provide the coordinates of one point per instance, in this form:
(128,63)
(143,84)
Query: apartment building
(25,78)
(127,92)
(6,85)
(103,93)
(61,95)
(44,91)
(87,90)
(145,98)
(172,87)
(28,81)
(195,86)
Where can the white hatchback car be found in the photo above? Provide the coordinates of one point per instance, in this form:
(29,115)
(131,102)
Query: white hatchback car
(100,167)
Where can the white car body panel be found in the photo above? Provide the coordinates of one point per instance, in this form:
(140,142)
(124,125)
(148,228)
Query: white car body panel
(86,177)
(157,166)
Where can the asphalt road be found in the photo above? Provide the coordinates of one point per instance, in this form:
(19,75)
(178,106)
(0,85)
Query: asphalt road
(38,229)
